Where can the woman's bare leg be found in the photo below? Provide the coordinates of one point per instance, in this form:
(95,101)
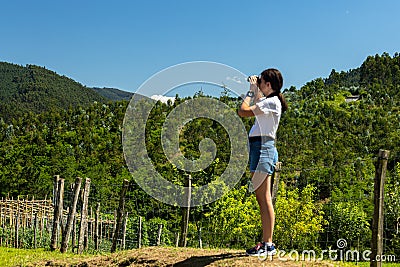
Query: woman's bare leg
(264,199)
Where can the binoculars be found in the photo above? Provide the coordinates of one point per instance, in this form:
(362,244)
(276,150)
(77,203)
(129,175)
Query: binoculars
(258,78)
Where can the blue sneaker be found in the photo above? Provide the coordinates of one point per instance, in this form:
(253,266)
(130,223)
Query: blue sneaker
(261,249)
(271,251)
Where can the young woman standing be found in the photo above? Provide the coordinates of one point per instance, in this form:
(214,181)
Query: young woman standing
(265,101)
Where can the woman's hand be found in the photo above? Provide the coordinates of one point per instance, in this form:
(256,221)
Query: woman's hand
(253,83)
(246,109)
(254,86)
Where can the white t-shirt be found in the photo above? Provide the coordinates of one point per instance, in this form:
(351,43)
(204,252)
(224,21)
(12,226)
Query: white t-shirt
(268,115)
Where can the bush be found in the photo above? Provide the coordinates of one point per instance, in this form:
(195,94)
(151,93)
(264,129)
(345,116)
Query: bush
(348,220)
(152,232)
(234,220)
(299,219)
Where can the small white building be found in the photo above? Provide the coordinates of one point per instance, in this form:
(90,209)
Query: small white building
(352,98)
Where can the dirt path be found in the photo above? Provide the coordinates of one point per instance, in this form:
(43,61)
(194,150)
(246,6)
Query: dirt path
(179,257)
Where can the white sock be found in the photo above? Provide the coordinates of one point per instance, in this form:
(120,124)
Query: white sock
(268,244)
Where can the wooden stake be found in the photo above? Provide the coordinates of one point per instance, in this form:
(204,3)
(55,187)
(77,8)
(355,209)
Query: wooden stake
(84,213)
(16,240)
(160,227)
(96,229)
(140,232)
(377,222)
(35,231)
(120,213)
(177,240)
(124,231)
(57,213)
(275,182)
(186,212)
(71,216)
(73,233)
(200,241)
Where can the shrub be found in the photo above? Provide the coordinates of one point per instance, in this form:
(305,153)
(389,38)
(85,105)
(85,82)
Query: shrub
(299,219)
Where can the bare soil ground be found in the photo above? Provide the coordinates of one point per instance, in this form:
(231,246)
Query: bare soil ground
(163,256)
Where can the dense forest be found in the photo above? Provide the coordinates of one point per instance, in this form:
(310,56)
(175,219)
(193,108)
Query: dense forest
(328,141)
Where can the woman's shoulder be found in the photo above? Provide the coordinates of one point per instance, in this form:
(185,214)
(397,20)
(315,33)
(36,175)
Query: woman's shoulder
(269,100)
(269,104)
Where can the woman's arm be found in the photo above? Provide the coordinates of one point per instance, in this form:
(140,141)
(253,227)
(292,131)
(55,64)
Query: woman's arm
(246,109)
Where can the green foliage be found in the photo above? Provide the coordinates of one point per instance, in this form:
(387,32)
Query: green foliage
(350,222)
(392,210)
(25,237)
(233,220)
(299,218)
(152,227)
(76,142)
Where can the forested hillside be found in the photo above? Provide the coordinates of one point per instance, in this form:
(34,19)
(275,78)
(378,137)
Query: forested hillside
(113,93)
(36,89)
(328,147)
(322,129)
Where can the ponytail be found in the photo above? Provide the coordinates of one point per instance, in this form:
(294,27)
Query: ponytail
(283,102)
(281,99)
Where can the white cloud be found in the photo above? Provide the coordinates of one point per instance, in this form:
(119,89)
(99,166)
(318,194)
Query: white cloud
(234,79)
(162,98)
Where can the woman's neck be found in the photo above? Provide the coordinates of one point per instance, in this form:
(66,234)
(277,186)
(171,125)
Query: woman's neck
(268,92)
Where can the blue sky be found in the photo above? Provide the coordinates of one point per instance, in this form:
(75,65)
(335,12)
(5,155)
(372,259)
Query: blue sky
(122,43)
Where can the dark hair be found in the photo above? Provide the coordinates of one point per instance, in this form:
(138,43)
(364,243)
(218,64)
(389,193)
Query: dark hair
(274,77)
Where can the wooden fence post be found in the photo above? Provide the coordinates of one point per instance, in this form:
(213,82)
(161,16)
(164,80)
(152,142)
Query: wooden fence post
(186,212)
(11,212)
(86,236)
(275,182)
(32,209)
(124,231)
(16,240)
(55,188)
(96,227)
(73,233)
(100,228)
(377,222)
(84,213)
(90,224)
(71,216)
(114,224)
(160,227)
(35,222)
(43,214)
(177,240)
(140,232)
(120,213)
(58,208)
(200,240)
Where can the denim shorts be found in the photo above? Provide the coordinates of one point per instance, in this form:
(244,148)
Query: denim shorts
(263,154)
